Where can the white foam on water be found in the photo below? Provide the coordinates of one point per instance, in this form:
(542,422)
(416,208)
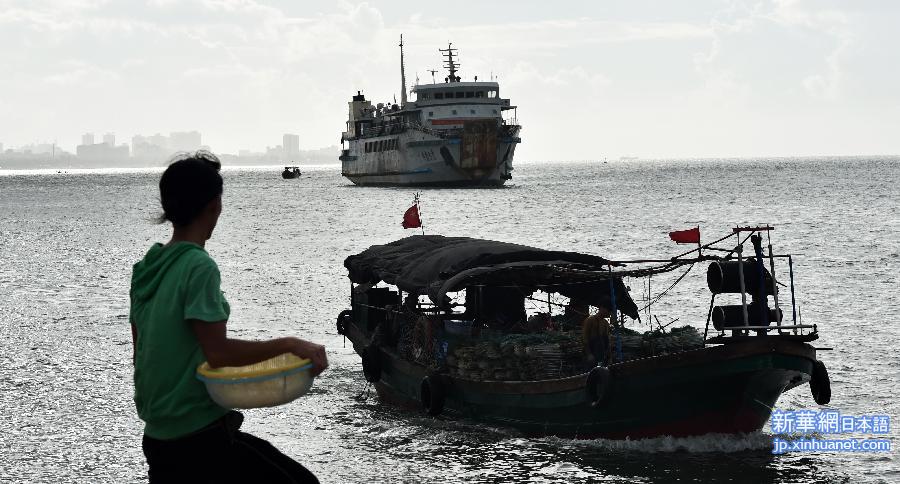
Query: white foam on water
(725,443)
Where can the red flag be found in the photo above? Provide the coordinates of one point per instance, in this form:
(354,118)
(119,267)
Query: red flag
(689,236)
(411,218)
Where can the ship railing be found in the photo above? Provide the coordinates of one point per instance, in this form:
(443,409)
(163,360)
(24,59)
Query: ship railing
(398,127)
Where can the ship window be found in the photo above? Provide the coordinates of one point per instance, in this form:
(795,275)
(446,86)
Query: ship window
(472,111)
(479,94)
(367,147)
(495,111)
(492,94)
(439,95)
(460,94)
(426,96)
(430,113)
(454,111)
(381,145)
(470,94)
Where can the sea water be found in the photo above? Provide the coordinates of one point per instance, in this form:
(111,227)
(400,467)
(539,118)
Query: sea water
(68,240)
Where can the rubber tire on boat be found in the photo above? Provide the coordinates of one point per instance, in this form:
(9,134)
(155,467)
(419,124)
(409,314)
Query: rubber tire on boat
(371,363)
(597,386)
(432,395)
(342,320)
(820,384)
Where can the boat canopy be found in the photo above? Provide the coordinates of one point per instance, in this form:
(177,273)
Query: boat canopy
(436,265)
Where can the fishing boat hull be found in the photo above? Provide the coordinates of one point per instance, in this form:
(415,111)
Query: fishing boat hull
(720,389)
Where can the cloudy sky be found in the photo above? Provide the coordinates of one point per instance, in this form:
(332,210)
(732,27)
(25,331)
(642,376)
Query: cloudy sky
(592,79)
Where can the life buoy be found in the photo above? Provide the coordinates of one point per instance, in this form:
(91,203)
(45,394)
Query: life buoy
(597,386)
(342,320)
(820,384)
(432,394)
(371,363)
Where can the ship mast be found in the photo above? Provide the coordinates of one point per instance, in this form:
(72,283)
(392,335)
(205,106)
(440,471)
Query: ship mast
(449,63)
(402,75)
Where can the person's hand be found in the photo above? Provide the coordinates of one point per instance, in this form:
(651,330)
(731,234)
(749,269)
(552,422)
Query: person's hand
(316,353)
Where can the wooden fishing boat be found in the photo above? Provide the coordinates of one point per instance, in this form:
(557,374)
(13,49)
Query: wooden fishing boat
(484,359)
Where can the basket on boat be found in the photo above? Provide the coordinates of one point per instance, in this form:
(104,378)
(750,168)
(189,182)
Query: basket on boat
(272,382)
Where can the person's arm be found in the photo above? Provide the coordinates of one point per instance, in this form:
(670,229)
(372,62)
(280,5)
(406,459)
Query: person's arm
(220,350)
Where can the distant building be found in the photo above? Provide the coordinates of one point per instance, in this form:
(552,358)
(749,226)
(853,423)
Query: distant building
(110,139)
(184,141)
(291,145)
(102,153)
(87,139)
(150,148)
(275,152)
(158,148)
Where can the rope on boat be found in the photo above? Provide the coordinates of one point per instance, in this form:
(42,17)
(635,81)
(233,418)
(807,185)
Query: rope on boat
(660,295)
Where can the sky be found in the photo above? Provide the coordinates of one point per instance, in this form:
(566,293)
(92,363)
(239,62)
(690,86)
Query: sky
(592,80)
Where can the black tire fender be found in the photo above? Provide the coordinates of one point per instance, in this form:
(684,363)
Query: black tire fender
(343,318)
(598,385)
(432,394)
(371,363)
(820,384)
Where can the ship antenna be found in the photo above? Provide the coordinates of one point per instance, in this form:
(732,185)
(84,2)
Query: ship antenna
(433,72)
(449,63)
(402,75)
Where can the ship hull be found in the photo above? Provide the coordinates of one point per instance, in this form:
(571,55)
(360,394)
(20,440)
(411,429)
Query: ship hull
(722,389)
(425,159)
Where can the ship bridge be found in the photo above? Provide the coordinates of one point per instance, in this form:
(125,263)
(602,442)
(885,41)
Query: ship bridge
(460,93)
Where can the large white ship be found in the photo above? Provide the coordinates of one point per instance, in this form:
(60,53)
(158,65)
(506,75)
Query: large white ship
(454,133)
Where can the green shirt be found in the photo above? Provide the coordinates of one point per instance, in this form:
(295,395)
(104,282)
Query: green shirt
(168,287)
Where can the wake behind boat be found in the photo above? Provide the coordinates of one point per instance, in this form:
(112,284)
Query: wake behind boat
(441,325)
(453,134)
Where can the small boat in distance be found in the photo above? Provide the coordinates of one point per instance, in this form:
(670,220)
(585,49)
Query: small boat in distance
(441,324)
(290,172)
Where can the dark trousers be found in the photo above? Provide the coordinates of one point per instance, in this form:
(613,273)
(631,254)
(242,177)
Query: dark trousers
(221,453)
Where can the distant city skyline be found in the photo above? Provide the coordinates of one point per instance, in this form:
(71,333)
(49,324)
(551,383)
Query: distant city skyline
(646,78)
(139,144)
(152,150)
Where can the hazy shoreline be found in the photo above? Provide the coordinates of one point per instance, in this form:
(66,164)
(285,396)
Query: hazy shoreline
(318,164)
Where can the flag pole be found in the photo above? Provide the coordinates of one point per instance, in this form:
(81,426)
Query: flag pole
(699,244)
(419,210)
